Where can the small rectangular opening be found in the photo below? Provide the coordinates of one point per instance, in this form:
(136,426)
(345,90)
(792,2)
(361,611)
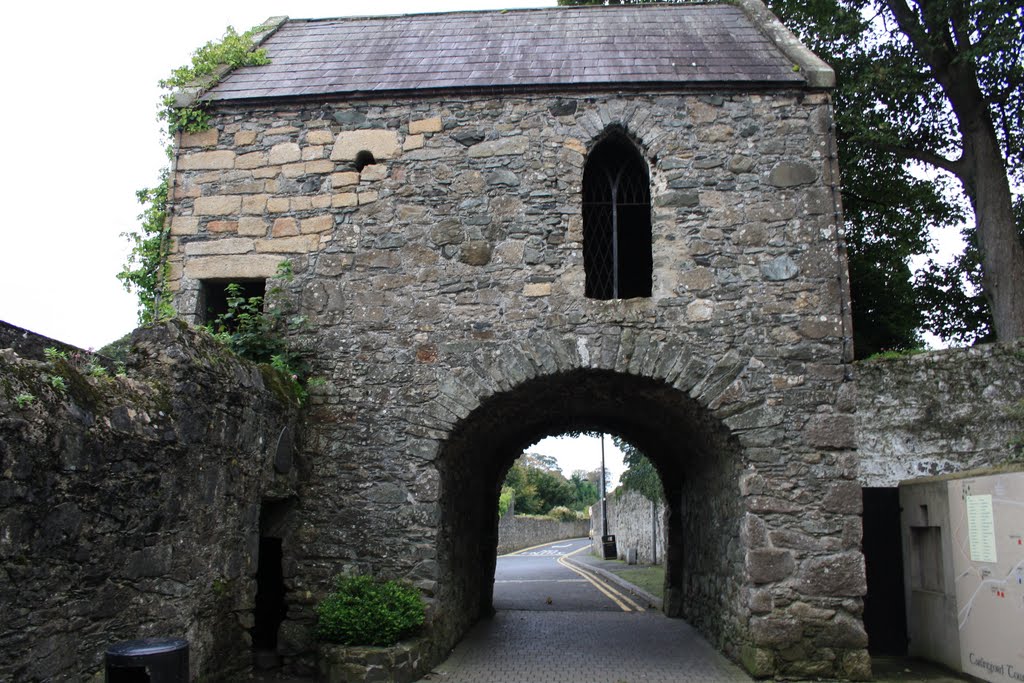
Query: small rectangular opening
(215,296)
(926,558)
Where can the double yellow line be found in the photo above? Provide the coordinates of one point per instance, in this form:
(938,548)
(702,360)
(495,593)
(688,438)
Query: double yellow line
(624,603)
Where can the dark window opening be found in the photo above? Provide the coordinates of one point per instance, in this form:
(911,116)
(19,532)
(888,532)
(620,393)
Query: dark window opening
(617,221)
(364,159)
(217,299)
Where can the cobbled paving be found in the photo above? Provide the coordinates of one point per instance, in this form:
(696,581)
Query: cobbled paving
(596,647)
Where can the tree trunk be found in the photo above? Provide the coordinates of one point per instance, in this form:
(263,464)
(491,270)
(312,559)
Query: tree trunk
(1002,254)
(939,36)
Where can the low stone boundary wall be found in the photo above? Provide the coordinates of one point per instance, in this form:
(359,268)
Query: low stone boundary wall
(937,412)
(516,532)
(401,663)
(636,523)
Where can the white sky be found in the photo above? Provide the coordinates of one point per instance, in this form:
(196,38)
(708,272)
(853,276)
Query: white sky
(79,136)
(582,453)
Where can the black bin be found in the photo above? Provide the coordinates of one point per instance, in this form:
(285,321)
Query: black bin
(149,660)
(610,551)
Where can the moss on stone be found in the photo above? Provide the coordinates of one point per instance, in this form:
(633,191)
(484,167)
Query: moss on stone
(758,662)
(279,384)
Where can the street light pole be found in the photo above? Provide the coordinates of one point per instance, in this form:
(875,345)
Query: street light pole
(604,495)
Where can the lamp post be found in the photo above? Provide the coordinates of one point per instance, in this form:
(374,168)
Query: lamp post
(604,496)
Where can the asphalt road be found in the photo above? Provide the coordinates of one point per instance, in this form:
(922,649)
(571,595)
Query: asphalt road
(541,578)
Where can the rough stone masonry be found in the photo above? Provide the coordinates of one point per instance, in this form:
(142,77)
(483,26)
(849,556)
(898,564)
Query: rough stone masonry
(436,238)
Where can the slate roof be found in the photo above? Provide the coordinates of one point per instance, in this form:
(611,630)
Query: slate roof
(597,46)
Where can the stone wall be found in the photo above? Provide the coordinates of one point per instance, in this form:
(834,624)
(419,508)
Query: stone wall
(130,505)
(32,345)
(636,523)
(941,411)
(516,532)
(443,287)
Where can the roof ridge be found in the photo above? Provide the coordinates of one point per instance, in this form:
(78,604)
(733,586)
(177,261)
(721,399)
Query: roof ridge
(521,10)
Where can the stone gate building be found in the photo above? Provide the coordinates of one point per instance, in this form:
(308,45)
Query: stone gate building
(507,225)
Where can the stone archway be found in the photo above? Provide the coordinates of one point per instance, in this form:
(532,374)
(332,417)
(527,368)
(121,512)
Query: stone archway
(696,457)
(764,529)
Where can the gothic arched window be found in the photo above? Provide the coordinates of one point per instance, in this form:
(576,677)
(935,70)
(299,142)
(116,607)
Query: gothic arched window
(616,221)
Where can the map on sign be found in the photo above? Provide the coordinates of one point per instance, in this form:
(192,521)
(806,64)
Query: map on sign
(987,516)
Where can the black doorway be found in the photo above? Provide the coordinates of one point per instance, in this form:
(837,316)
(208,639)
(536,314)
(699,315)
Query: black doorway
(885,615)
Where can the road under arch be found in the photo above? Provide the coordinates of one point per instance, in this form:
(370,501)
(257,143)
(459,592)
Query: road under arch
(695,455)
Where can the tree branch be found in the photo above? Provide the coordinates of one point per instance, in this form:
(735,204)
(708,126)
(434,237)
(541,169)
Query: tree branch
(918,34)
(954,166)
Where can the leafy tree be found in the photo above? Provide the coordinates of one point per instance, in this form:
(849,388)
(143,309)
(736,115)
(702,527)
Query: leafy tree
(939,83)
(505,500)
(527,501)
(586,490)
(936,84)
(541,462)
(640,474)
(537,490)
(955,312)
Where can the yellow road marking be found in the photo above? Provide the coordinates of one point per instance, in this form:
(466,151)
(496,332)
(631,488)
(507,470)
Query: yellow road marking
(624,603)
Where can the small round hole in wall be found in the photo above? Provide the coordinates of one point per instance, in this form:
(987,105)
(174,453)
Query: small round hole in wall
(364,159)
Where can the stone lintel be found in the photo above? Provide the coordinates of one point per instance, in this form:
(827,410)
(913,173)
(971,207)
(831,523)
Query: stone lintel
(239,267)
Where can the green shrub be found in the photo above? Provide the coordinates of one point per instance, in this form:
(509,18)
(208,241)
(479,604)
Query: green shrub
(564,514)
(365,611)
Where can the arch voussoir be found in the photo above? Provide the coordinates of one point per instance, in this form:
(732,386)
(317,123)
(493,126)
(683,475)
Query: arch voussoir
(665,358)
(566,354)
(627,342)
(641,351)
(457,396)
(688,371)
(476,381)
(512,360)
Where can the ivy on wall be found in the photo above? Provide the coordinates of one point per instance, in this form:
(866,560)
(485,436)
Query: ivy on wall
(183,111)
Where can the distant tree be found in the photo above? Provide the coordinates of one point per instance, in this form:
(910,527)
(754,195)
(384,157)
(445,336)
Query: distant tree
(594,477)
(586,492)
(540,461)
(552,489)
(506,499)
(640,474)
(537,490)
(527,500)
